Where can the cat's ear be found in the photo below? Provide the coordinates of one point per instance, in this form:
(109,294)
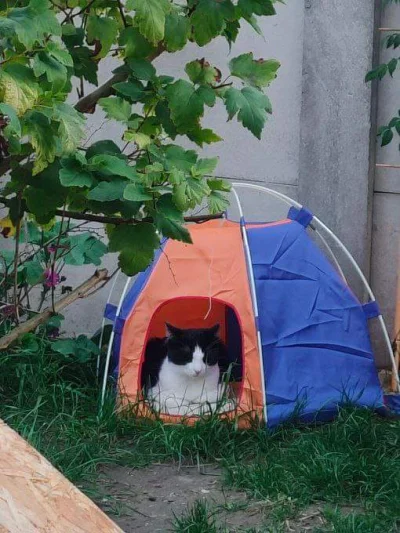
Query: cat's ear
(172,331)
(215,329)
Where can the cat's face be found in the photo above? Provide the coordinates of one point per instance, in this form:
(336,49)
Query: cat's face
(194,351)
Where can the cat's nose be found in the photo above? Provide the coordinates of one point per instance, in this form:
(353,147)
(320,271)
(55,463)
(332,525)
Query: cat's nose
(197,372)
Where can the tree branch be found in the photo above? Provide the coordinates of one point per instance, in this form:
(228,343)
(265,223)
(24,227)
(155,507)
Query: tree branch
(34,322)
(87,104)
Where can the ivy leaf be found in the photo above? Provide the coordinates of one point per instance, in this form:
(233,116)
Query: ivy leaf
(135,44)
(256,7)
(34,272)
(111,165)
(14,125)
(133,89)
(38,128)
(108,191)
(142,69)
(73,174)
(201,72)
(150,18)
(259,73)
(203,136)
(177,31)
(186,104)
(169,220)
(116,108)
(135,192)
(387,136)
(18,87)
(103,29)
(71,124)
(136,244)
(208,19)
(251,105)
(55,72)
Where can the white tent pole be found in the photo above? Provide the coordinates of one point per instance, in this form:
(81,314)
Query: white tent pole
(111,342)
(319,223)
(103,322)
(254,300)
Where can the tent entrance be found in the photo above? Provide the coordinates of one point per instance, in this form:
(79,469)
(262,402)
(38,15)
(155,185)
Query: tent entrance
(202,312)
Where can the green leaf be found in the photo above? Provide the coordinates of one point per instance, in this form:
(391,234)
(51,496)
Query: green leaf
(84,64)
(204,167)
(177,31)
(136,192)
(34,272)
(256,7)
(259,73)
(140,139)
(178,157)
(135,44)
(150,18)
(231,31)
(38,128)
(142,69)
(218,184)
(14,125)
(71,126)
(133,89)
(203,136)
(81,349)
(217,202)
(201,72)
(111,165)
(73,174)
(196,190)
(169,220)
(55,72)
(108,191)
(102,147)
(136,244)
(208,19)
(103,29)
(63,56)
(186,105)
(18,87)
(84,249)
(116,108)
(251,105)
(387,137)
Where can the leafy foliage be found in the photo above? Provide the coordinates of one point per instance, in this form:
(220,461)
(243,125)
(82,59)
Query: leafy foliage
(49,48)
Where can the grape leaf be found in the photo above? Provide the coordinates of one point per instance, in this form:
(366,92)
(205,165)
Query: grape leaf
(135,44)
(133,89)
(103,29)
(63,56)
(208,19)
(251,105)
(18,87)
(116,108)
(169,220)
(71,124)
(14,125)
(178,157)
(108,191)
(203,136)
(217,202)
(200,71)
(111,165)
(136,192)
(38,128)
(84,66)
(136,244)
(177,30)
(102,147)
(84,249)
(204,167)
(258,73)
(150,18)
(34,272)
(73,174)
(55,72)
(186,104)
(256,7)
(141,69)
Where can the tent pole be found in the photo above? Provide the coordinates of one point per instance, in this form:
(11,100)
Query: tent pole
(103,323)
(254,299)
(336,239)
(110,344)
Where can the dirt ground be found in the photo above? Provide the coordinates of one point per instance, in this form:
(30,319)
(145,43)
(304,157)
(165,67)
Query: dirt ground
(146,500)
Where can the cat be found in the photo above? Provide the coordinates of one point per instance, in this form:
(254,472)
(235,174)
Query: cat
(183,372)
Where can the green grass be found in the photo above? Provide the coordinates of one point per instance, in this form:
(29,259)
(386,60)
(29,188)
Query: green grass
(53,402)
(197,519)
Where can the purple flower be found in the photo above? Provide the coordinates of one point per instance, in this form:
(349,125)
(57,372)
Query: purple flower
(52,248)
(51,279)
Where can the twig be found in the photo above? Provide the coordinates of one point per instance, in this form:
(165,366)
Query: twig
(31,324)
(16,260)
(121,11)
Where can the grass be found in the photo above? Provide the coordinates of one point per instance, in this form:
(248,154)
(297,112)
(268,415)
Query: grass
(53,402)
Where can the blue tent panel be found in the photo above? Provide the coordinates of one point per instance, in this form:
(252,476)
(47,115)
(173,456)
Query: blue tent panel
(315,341)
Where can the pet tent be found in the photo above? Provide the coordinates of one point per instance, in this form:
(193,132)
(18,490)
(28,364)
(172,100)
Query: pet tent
(296,334)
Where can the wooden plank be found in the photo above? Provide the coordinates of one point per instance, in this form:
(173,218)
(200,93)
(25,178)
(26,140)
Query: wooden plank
(37,498)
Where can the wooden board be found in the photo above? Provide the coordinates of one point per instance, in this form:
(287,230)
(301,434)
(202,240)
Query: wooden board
(37,498)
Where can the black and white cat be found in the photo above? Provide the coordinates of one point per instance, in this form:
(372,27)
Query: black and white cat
(183,371)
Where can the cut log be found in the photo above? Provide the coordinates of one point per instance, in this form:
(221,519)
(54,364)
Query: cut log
(37,498)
